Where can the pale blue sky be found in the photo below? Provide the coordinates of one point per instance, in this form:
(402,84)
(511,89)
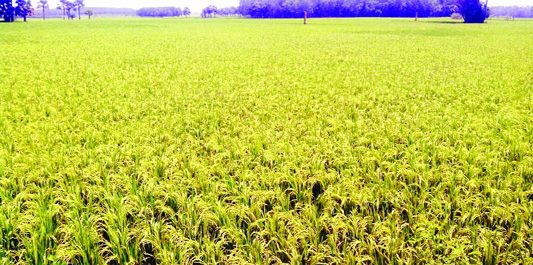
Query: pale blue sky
(198,5)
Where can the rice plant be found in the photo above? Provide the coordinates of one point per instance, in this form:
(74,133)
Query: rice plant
(234,141)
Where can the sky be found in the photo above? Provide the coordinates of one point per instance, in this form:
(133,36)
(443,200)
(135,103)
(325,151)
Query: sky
(198,5)
(510,2)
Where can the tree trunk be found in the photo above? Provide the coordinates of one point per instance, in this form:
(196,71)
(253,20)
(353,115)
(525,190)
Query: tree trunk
(24,18)
(44,17)
(63,13)
(79,15)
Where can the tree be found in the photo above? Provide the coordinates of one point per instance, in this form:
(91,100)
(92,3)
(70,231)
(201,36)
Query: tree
(472,11)
(89,13)
(62,5)
(66,6)
(261,10)
(7,10)
(69,6)
(186,12)
(23,9)
(78,4)
(44,5)
(209,11)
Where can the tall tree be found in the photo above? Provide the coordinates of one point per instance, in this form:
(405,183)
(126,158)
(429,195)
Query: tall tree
(68,7)
(23,9)
(44,5)
(62,6)
(79,4)
(7,10)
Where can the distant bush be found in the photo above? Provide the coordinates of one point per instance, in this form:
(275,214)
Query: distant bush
(456,16)
(508,18)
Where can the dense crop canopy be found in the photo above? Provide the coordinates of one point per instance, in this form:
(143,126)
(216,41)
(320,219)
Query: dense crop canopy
(237,141)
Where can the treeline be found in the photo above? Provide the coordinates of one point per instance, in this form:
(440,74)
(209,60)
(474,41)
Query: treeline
(228,11)
(513,11)
(212,11)
(10,9)
(169,11)
(100,11)
(345,8)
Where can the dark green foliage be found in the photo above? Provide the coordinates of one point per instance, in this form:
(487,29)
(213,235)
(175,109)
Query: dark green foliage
(7,10)
(24,9)
(472,11)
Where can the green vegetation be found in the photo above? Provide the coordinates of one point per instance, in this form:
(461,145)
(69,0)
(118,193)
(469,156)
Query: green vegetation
(232,141)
